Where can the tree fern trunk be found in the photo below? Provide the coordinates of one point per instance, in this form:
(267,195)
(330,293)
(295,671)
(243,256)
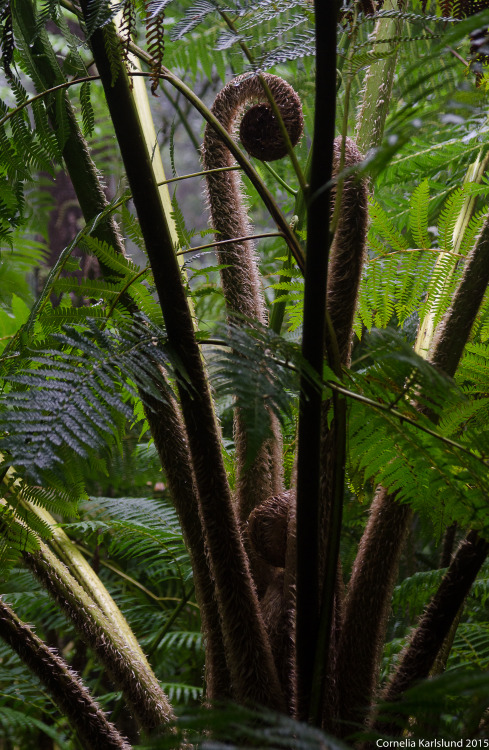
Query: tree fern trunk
(377,87)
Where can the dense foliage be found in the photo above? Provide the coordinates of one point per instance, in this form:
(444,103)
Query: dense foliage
(146,410)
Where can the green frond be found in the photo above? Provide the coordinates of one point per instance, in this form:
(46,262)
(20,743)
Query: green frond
(45,132)
(138,529)
(15,538)
(300,46)
(383,227)
(192,17)
(74,395)
(430,157)
(409,458)
(108,256)
(443,705)
(184,235)
(113,48)
(145,301)
(441,287)
(451,212)
(472,232)
(96,289)
(234,727)
(189,640)
(131,227)
(418,219)
(413,594)
(261,371)
(87,112)
(470,646)
(99,13)
(15,720)
(53,318)
(364,58)
(180,694)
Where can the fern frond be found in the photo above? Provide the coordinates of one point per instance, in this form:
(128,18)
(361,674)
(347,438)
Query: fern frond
(99,13)
(131,227)
(470,646)
(87,113)
(261,370)
(192,18)
(7,41)
(113,49)
(127,27)
(184,235)
(155,36)
(108,256)
(418,220)
(383,226)
(451,211)
(302,45)
(413,594)
(75,395)
(182,694)
(423,470)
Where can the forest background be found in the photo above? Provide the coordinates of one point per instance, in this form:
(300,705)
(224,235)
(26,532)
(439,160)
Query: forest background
(230,511)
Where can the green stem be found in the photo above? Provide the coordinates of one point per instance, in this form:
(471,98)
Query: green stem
(279,305)
(87,578)
(129,673)
(378,83)
(231,241)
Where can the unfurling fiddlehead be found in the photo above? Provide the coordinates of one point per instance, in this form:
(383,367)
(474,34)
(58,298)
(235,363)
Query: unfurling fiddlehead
(261,135)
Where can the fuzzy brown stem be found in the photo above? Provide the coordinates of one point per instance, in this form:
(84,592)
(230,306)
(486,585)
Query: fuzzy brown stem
(448,545)
(367,607)
(240,277)
(347,257)
(271,531)
(169,436)
(348,251)
(68,692)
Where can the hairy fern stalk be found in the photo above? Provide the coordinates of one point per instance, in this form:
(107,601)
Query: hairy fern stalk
(245,463)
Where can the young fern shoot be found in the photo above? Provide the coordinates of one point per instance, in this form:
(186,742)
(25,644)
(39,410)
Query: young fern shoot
(260,134)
